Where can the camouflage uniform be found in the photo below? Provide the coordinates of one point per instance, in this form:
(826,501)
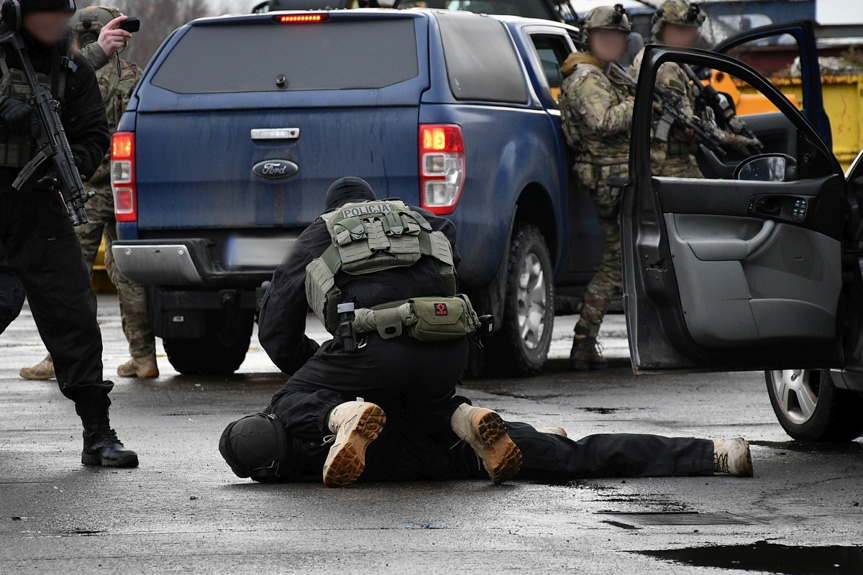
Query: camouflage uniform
(597,116)
(676,158)
(116,88)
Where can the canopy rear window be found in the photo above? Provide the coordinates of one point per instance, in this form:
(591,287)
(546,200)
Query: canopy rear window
(331,55)
(480,59)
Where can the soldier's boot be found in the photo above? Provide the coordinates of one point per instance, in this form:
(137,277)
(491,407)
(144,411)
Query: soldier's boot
(142,367)
(102,447)
(586,353)
(485,431)
(42,371)
(355,425)
(554,431)
(732,456)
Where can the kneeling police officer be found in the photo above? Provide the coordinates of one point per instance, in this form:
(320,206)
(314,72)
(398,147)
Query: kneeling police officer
(380,275)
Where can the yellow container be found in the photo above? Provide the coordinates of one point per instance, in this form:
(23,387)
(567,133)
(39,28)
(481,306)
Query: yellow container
(843,102)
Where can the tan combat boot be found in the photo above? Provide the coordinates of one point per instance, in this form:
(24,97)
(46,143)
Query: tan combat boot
(732,457)
(42,371)
(142,367)
(356,424)
(485,432)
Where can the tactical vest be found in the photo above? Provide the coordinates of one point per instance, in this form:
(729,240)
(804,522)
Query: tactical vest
(16,147)
(370,237)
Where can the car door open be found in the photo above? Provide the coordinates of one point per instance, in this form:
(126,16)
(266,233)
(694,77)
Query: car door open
(734,271)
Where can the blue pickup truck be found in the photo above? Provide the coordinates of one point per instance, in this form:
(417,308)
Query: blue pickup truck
(240,124)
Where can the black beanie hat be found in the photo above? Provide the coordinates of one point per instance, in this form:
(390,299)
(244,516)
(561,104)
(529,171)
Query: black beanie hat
(30,6)
(349,189)
(251,443)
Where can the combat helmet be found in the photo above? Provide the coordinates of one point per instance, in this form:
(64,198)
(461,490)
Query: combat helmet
(88,22)
(605,18)
(677,12)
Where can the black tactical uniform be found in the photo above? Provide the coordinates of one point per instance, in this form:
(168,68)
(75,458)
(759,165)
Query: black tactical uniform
(401,374)
(42,248)
(414,382)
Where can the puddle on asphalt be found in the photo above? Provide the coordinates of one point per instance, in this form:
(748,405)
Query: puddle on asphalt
(646,518)
(770,557)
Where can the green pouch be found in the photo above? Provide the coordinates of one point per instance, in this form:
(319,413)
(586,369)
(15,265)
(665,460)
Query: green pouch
(441,318)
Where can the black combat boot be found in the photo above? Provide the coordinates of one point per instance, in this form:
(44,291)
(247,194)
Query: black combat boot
(101,446)
(586,354)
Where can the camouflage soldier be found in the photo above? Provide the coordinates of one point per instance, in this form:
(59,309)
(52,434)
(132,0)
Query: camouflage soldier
(596,116)
(99,40)
(676,23)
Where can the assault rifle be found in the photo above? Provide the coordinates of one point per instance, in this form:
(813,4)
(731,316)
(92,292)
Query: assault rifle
(671,105)
(52,144)
(728,119)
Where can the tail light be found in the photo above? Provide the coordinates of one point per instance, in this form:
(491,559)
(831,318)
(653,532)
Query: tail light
(442,167)
(123,177)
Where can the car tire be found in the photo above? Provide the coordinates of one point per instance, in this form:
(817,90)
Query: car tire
(221,351)
(520,348)
(810,408)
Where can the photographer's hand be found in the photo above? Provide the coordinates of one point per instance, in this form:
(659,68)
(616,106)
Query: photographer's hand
(111,38)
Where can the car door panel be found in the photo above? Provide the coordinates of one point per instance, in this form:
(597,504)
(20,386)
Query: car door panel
(822,197)
(741,279)
(726,274)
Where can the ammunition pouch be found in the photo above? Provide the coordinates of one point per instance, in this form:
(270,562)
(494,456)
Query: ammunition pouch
(429,319)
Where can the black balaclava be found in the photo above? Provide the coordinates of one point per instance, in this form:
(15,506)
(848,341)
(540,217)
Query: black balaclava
(349,189)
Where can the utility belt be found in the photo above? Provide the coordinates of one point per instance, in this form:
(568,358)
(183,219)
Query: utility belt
(428,319)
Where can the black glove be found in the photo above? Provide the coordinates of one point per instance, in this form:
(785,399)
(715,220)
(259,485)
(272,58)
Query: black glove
(19,116)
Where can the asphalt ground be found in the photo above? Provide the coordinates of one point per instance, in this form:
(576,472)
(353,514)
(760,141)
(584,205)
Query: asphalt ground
(184,511)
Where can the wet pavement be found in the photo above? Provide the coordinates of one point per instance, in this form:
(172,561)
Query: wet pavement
(184,511)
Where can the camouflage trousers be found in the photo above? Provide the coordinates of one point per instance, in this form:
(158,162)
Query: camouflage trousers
(133,297)
(608,281)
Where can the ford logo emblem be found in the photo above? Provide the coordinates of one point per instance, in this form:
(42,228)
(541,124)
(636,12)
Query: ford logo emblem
(275,169)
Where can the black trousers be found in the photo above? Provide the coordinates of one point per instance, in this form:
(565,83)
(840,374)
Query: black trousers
(415,385)
(43,251)
(11,293)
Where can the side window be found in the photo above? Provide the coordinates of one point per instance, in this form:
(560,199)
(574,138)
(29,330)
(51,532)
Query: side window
(775,58)
(552,50)
(700,132)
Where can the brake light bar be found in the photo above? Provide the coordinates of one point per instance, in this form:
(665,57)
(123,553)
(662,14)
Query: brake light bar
(123,177)
(301,18)
(442,167)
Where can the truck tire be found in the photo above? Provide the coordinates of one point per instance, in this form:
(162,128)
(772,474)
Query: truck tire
(520,348)
(810,408)
(221,351)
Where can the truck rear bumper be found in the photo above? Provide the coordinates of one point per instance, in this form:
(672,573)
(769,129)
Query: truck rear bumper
(181,262)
